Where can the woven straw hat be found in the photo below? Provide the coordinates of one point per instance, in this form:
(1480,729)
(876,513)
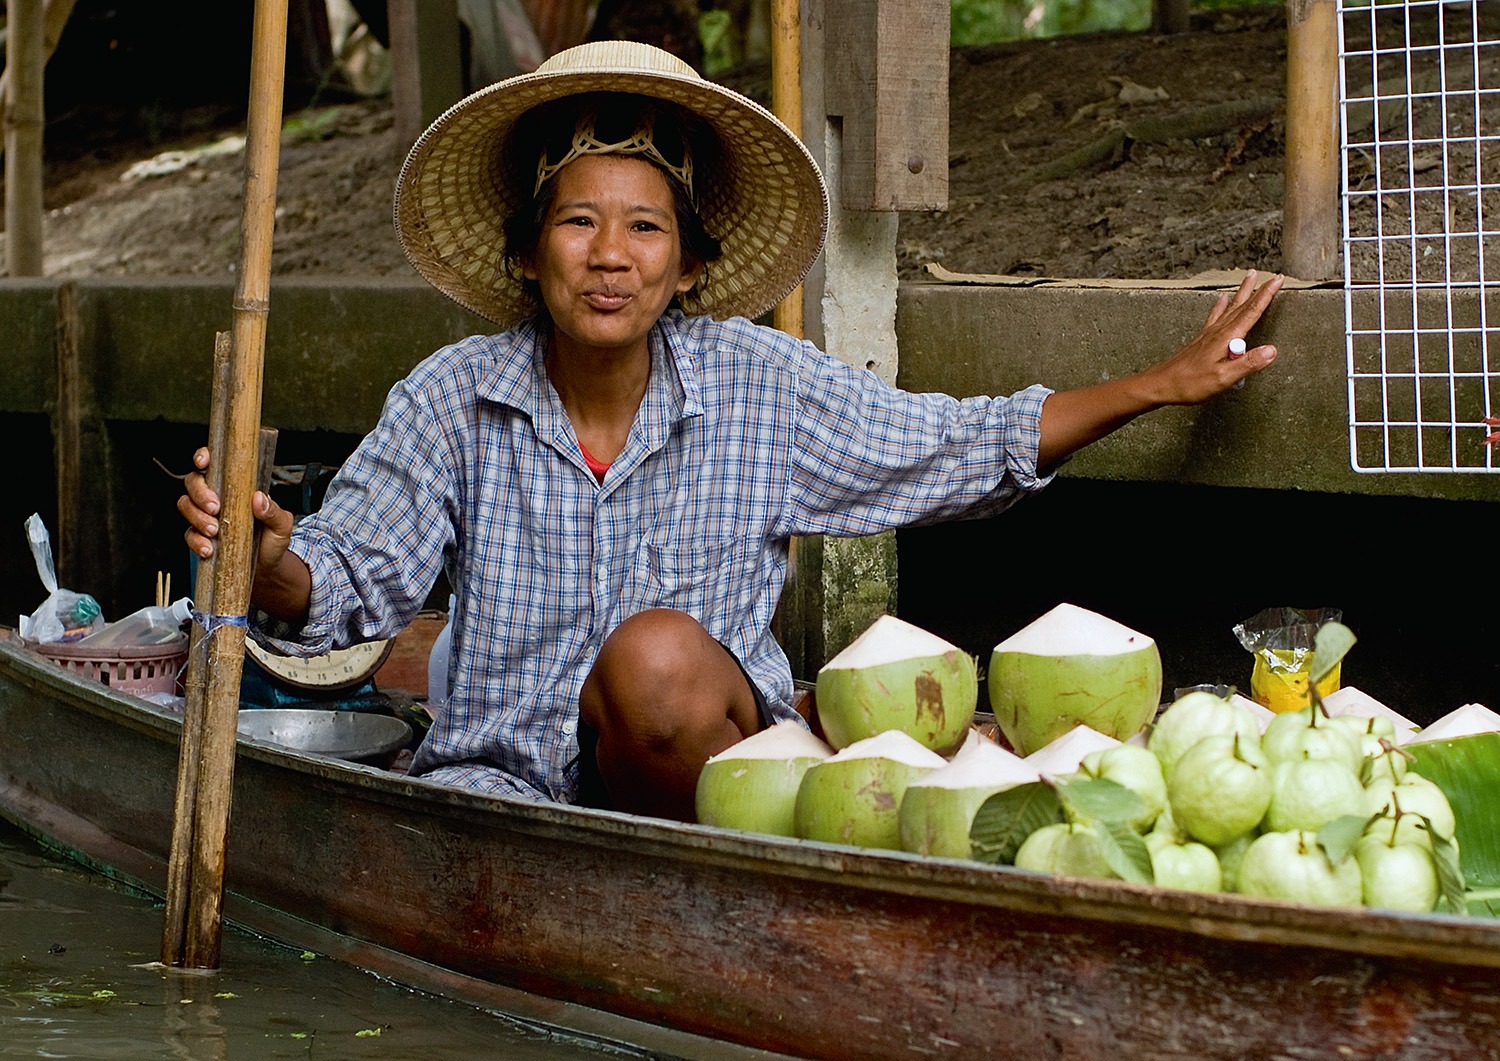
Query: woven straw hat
(762,196)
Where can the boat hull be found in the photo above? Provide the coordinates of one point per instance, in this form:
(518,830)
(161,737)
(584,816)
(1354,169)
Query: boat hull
(688,939)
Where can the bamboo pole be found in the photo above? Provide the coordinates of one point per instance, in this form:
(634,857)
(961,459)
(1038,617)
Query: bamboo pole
(786,104)
(1310,206)
(24,56)
(206,761)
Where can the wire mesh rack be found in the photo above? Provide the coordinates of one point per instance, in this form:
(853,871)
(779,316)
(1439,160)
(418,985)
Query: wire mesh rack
(1419,95)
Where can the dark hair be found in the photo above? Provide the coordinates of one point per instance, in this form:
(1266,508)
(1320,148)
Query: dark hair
(551,126)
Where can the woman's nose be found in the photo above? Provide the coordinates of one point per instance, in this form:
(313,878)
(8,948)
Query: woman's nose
(609,249)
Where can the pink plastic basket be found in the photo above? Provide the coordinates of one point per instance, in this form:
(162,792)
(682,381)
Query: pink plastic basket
(142,669)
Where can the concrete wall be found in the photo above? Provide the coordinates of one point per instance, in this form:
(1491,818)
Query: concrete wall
(1180,525)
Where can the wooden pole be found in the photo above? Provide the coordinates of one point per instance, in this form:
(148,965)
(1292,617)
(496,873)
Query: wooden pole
(1310,221)
(195,687)
(53,21)
(786,104)
(25,56)
(206,761)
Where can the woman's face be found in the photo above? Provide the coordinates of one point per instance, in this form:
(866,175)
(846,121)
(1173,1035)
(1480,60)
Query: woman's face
(609,258)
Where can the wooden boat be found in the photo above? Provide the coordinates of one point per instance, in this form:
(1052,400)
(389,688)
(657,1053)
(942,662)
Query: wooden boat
(692,941)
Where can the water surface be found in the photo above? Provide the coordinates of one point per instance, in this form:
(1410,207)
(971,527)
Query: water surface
(79,979)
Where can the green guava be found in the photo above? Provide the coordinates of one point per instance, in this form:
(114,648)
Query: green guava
(1192,717)
(1310,734)
(1404,801)
(1310,793)
(1230,856)
(1397,876)
(1383,760)
(1190,866)
(1361,726)
(1134,768)
(1292,867)
(1220,789)
(1067,848)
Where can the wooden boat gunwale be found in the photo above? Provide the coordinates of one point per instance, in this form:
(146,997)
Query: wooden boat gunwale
(876,877)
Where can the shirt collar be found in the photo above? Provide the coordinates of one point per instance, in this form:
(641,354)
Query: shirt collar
(519,376)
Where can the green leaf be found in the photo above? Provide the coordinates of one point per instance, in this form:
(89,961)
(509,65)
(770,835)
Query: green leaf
(1332,642)
(1450,874)
(1338,837)
(1006,819)
(1124,851)
(1097,800)
(1467,769)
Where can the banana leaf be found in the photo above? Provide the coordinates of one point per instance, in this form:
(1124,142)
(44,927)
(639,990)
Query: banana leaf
(1467,769)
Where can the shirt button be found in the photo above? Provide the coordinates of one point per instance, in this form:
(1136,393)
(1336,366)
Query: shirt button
(569,727)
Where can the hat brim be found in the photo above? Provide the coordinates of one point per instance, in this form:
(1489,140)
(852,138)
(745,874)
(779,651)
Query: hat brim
(762,197)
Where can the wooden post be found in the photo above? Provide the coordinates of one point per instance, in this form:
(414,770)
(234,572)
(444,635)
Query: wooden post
(67,432)
(53,21)
(1171,16)
(426,68)
(25,55)
(888,82)
(194,915)
(1310,230)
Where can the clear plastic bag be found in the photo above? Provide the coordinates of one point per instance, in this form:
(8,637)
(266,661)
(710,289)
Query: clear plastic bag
(1282,642)
(64,615)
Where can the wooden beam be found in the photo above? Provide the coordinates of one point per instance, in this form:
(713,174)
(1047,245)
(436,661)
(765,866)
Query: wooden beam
(887,70)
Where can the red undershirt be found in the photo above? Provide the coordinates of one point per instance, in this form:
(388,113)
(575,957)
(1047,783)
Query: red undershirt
(596,466)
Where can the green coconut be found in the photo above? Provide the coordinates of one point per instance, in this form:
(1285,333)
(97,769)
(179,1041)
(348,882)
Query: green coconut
(938,808)
(854,796)
(1073,666)
(752,785)
(1063,756)
(898,676)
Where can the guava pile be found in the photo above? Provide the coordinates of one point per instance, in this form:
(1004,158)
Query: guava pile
(1315,809)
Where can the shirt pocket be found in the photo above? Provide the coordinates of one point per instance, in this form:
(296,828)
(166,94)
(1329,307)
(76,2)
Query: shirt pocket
(711,581)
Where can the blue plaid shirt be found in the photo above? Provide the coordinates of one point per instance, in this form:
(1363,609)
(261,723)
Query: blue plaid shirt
(745,438)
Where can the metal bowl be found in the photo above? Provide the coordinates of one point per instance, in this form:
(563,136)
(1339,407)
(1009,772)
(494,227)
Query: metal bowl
(353,735)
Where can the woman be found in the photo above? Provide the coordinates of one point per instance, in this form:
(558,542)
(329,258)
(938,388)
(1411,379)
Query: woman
(611,483)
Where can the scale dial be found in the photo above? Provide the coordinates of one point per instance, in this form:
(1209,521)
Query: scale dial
(342,668)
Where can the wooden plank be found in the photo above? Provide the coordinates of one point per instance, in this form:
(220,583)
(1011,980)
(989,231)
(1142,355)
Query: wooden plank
(887,80)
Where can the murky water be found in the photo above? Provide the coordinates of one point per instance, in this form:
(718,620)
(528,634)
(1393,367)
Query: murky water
(76,981)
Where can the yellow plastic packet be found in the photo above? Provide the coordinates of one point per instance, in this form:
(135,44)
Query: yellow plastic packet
(1281,640)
